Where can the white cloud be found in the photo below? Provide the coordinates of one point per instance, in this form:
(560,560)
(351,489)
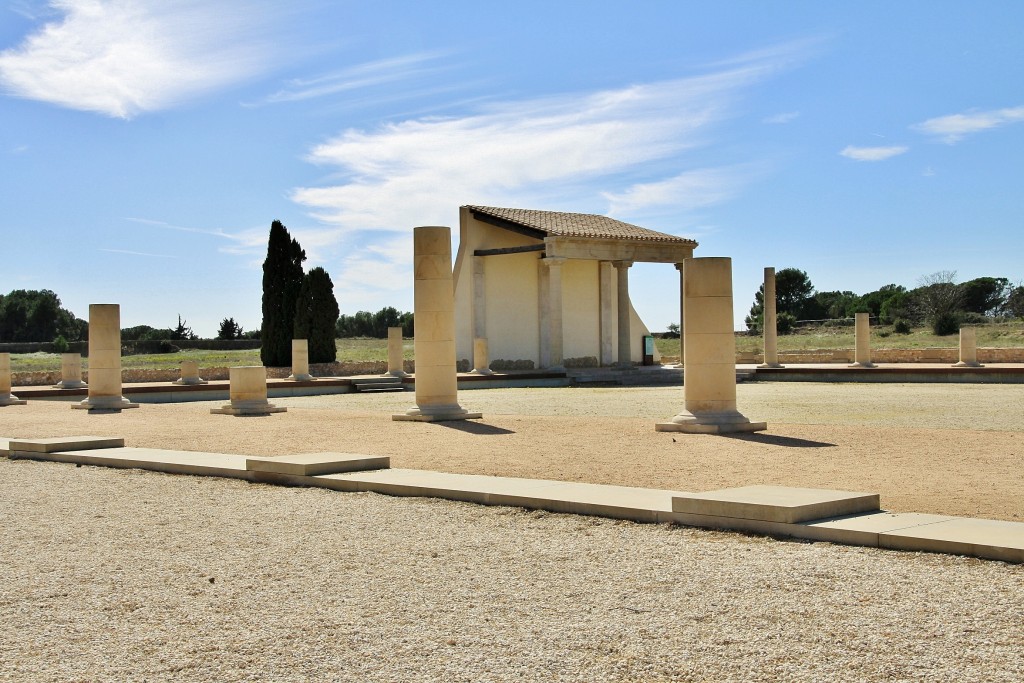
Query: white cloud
(686,191)
(783,118)
(125,57)
(136,253)
(873,153)
(955,127)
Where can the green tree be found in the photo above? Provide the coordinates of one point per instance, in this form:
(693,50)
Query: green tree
(985,295)
(793,291)
(316,315)
(282,280)
(229,329)
(28,315)
(182,331)
(1015,302)
(939,299)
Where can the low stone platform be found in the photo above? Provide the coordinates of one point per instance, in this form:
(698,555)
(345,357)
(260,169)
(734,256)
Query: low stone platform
(814,514)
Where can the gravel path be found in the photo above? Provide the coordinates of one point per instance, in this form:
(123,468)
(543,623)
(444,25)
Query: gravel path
(114,575)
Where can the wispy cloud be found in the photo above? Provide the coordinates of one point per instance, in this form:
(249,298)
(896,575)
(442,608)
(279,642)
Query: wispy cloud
(782,118)
(360,76)
(686,191)
(136,253)
(125,57)
(955,127)
(873,153)
(588,146)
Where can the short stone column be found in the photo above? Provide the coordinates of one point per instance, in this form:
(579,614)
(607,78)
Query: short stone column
(481,361)
(300,361)
(70,372)
(770,325)
(396,355)
(622,303)
(248,393)
(6,397)
(434,338)
(862,349)
(189,374)
(709,382)
(968,348)
(105,360)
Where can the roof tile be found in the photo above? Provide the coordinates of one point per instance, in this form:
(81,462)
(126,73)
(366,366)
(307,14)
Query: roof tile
(562,224)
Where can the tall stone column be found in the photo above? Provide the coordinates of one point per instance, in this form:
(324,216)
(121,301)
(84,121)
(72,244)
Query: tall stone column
(479,297)
(6,397)
(709,386)
(70,372)
(396,355)
(622,297)
(862,347)
(300,361)
(682,316)
(551,313)
(607,322)
(105,360)
(434,310)
(770,325)
(968,349)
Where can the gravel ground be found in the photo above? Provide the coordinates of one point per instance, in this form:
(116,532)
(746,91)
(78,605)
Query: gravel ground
(113,575)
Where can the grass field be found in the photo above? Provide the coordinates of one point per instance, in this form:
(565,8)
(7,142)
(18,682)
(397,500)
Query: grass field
(1002,335)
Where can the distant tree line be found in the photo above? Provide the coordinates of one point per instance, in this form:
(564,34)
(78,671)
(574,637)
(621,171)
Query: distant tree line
(938,301)
(374,325)
(29,315)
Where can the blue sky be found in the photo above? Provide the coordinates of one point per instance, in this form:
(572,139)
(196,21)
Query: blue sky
(147,145)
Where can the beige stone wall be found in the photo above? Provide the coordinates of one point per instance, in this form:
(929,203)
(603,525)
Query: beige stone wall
(936,355)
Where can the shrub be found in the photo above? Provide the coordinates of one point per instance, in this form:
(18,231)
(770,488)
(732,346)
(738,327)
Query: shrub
(972,318)
(901,326)
(946,324)
(60,344)
(785,322)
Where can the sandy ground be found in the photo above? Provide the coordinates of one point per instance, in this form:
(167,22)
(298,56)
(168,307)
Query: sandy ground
(937,448)
(123,575)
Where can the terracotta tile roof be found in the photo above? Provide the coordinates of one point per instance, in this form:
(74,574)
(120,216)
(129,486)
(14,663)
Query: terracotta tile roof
(562,224)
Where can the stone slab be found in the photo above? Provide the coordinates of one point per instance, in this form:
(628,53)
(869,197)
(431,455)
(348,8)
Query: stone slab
(783,504)
(314,464)
(989,538)
(156,460)
(4,441)
(865,529)
(64,443)
(404,417)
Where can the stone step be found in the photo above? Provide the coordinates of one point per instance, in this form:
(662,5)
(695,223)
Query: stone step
(784,504)
(377,384)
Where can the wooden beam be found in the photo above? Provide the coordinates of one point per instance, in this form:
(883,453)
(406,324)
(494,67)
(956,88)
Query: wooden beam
(509,250)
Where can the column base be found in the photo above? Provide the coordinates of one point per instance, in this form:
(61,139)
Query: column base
(710,423)
(771,365)
(105,404)
(70,384)
(485,371)
(11,400)
(396,373)
(189,381)
(865,364)
(623,365)
(968,364)
(436,414)
(238,408)
(302,378)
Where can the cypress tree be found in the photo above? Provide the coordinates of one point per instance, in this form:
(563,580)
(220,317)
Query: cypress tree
(316,314)
(282,279)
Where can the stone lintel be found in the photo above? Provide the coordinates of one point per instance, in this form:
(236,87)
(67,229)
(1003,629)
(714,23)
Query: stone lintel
(619,249)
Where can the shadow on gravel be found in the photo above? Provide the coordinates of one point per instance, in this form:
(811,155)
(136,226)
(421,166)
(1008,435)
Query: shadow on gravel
(775,440)
(471,427)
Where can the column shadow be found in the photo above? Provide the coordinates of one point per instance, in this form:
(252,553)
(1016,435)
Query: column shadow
(776,440)
(473,427)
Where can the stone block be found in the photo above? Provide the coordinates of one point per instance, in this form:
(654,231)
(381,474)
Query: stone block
(780,504)
(315,464)
(65,443)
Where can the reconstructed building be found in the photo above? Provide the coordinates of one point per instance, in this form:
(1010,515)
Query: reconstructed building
(552,288)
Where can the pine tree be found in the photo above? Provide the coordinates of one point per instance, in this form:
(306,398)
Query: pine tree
(316,314)
(282,279)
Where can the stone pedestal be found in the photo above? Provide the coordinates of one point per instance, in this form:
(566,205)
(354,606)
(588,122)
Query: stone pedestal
(70,372)
(300,361)
(190,374)
(6,397)
(968,349)
(248,393)
(770,326)
(481,360)
(434,310)
(105,360)
(709,384)
(862,350)
(396,360)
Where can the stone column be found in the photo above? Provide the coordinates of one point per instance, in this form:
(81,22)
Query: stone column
(770,325)
(551,313)
(968,348)
(6,397)
(248,393)
(862,349)
(190,374)
(396,361)
(105,360)
(481,361)
(300,361)
(479,298)
(70,372)
(607,323)
(622,291)
(434,311)
(709,386)
(682,316)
